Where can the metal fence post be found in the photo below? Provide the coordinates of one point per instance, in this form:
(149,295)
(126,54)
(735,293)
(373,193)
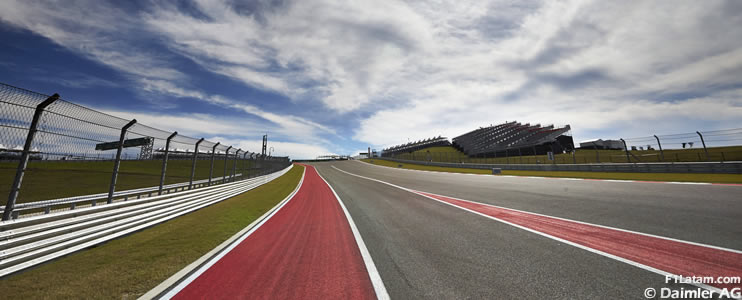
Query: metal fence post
(258,163)
(553,155)
(164,161)
(226,157)
(117,163)
(626,150)
(244,160)
(234,165)
(193,164)
(704,145)
(255,162)
(211,169)
(662,153)
(23,163)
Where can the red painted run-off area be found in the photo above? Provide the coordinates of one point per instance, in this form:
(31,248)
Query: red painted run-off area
(670,256)
(306,250)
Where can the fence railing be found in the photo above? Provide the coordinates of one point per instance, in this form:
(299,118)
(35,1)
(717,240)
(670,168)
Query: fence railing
(682,167)
(700,146)
(51,149)
(27,242)
(70,203)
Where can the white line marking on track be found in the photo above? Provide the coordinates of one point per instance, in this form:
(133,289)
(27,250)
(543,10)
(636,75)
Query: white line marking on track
(174,291)
(697,183)
(373,273)
(608,255)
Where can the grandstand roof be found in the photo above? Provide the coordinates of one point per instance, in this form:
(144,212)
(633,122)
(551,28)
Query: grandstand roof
(412,146)
(507,136)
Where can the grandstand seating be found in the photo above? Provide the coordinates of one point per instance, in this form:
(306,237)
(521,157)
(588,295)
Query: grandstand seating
(507,139)
(513,138)
(414,146)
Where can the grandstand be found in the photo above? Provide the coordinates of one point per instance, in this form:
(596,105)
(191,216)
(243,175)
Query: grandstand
(514,139)
(414,146)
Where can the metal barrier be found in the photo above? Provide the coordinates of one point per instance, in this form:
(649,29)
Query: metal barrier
(70,203)
(30,241)
(689,167)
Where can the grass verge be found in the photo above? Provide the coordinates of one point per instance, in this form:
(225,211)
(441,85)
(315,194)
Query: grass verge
(128,267)
(684,177)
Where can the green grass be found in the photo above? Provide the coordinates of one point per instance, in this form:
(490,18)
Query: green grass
(451,154)
(685,177)
(130,266)
(57,179)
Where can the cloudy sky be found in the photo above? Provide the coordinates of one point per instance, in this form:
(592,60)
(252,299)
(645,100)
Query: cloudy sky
(325,77)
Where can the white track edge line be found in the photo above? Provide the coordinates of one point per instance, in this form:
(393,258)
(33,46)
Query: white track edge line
(373,273)
(205,262)
(630,262)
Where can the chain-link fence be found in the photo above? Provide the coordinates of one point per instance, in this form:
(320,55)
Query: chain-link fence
(702,146)
(52,149)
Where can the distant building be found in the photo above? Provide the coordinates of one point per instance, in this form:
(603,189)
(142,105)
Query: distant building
(602,144)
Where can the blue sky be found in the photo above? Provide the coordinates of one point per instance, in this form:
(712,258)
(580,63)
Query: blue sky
(325,77)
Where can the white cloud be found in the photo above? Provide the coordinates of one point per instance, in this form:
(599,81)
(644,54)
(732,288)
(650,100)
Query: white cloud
(420,69)
(343,54)
(290,149)
(193,125)
(235,132)
(94,29)
(620,68)
(282,124)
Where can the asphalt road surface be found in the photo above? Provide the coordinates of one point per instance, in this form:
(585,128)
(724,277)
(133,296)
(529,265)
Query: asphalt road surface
(426,246)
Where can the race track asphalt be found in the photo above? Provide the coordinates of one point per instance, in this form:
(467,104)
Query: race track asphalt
(426,249)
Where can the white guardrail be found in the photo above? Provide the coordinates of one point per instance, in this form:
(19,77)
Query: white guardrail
(47,206)
(30,241)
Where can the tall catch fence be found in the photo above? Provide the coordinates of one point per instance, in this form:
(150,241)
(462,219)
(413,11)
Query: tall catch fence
(702,146)
(55,151)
